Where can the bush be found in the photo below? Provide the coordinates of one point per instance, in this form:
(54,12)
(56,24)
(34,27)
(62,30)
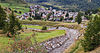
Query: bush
(20,12)
(37,16)
(44,28)
(25,45)
(15,11)
(30,19)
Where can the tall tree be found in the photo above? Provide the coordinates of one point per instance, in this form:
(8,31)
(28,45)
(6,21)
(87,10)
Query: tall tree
(92,36)
(13,24)
(67,15)
(2,18)
(78,19)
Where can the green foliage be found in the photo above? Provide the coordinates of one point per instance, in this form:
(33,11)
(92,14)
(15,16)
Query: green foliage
(20,45)
(88,17)
(48,16)
(78,19)
(13,1)
(76,47)
(2,18)
(71,4)
(67,15)
(71,18)
(44,28)
(37,16)
(92,38)
(18,7)
(30,19)
(13,24)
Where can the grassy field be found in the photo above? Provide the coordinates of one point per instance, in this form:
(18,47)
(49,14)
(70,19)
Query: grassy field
(32,26)
(18,7)
(4,42)
(44,36)
(51,23)
(40,37)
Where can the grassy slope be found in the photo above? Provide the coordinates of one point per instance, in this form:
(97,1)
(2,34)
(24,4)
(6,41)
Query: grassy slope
(40,36)
(44,36)
(50,23)
(32,26)
(18,7)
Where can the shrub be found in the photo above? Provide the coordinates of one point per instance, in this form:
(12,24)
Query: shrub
(37,16)
(15,11)
(30,19)
(20,12)
(21,45)
(44,28)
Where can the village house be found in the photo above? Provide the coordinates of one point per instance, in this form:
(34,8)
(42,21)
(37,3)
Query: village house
(55,15)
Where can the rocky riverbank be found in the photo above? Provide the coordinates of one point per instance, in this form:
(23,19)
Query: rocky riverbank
(59,44)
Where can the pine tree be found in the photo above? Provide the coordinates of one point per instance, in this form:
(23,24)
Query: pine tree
(2,18)
(67,15)
(13,25)
(91,37)
(78,19)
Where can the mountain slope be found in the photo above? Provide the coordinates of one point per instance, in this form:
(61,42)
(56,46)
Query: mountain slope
(76,4)
(12,1)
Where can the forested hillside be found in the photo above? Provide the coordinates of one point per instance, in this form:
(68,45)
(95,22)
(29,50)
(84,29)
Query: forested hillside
(13,1)
(76,4)
(63,4)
